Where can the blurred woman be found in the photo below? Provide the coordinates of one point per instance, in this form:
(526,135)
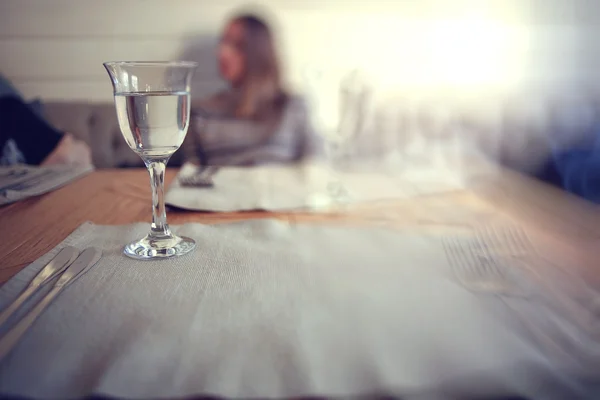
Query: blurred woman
(255,121)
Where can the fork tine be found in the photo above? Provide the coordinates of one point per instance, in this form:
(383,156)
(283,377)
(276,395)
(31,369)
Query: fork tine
(476,268)
(512,239)
(201,178)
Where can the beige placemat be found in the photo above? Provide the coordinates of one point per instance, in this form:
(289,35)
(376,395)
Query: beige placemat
(265,309)
(306,186)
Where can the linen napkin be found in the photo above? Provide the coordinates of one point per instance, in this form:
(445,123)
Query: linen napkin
(22,181)
(265,309)
(305,186)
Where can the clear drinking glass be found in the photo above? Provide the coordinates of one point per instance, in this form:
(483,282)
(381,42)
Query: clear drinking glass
(153,108)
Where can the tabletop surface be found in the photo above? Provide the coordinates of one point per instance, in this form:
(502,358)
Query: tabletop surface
(564,226)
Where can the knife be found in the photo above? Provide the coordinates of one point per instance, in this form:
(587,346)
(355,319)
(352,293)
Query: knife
(57,265)
(82,264)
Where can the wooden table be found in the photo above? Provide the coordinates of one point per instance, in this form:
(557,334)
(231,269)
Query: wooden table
(566,228)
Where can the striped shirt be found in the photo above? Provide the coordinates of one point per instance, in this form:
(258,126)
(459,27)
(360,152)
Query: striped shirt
(217,138)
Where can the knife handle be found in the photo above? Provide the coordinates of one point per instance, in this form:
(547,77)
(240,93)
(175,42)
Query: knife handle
(9,340)
(7,312)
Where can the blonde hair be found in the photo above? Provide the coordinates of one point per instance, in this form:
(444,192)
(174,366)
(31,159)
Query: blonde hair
(261,88)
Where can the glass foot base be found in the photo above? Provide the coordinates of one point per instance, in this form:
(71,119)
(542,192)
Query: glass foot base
(151,248)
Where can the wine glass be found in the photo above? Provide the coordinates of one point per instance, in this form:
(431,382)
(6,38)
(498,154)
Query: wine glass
(354,95)
(152,100)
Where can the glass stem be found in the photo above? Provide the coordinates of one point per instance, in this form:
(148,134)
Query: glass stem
(159,227)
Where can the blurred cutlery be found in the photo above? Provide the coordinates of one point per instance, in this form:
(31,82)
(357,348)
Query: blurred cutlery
(201,178)
(57,265)
(80,266)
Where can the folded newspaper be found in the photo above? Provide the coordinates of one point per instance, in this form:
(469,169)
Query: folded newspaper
(18,182)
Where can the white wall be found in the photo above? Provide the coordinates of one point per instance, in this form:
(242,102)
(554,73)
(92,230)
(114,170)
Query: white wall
(54,49)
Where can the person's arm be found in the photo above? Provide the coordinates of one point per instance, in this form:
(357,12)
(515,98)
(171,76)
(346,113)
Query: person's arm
(33,136)
(69,151)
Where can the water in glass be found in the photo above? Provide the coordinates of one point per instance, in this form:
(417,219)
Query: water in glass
(153,124)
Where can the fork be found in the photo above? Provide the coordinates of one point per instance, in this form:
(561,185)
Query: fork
(201,178)
(508,240)
(476,269)
(489,278)
(523,254)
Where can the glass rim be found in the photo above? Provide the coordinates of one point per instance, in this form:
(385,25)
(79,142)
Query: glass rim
(185,64)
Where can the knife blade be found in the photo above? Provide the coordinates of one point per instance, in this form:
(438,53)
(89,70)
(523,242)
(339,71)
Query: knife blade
(82,264)
(57,265)
(88,258)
